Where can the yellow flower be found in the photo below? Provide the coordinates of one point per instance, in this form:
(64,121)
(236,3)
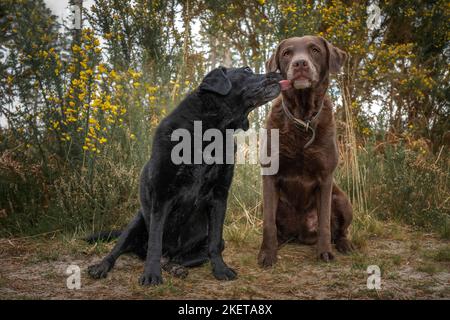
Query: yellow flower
(113,74)
(76,48)
(96,102)
(132,137)
(101,68)
(102,140)
(152,89)
(85,148)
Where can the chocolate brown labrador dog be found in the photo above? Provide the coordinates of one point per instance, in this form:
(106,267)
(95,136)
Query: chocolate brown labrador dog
(301,202)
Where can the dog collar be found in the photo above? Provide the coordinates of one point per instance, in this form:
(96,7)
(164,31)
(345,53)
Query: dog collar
(301,124)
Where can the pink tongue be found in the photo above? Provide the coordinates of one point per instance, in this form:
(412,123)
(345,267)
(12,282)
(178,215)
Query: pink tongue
(285,84)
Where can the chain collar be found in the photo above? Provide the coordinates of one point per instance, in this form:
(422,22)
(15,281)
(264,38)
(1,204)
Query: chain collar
(301,124)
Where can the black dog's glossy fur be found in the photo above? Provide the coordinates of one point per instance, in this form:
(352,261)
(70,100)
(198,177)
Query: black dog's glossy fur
(183,206)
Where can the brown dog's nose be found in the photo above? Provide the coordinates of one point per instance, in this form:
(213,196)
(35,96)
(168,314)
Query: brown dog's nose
(300,64)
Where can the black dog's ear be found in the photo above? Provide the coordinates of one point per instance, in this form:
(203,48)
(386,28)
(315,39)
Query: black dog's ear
(245,124)
(217,81)
(336,57)
(272,64)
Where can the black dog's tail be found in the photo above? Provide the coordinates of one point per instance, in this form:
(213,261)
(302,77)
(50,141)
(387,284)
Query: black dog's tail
(105,236)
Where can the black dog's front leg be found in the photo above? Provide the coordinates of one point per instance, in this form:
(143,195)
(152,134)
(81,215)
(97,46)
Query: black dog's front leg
(215,243)
(128,241)
(152,268)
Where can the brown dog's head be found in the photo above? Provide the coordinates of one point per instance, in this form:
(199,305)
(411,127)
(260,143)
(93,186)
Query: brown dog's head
(306,61)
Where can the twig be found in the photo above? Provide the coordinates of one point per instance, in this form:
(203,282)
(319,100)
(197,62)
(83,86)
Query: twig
(34,236)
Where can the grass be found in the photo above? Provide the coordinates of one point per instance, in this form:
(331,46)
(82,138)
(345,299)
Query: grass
(398,184)
(297,275)
(429,268)
(442,254)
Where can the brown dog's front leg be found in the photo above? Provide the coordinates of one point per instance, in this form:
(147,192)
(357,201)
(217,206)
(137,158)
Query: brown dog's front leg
(268,253)
(324,211)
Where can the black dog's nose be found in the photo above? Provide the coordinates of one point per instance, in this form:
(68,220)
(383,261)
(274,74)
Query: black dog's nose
(300,64)
(274,76)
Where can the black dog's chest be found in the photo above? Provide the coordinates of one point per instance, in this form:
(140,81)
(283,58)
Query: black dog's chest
(196,186)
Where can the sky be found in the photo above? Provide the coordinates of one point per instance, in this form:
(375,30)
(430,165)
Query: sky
(59,7)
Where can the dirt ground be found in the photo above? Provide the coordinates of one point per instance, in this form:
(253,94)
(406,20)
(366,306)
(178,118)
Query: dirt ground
(413,265)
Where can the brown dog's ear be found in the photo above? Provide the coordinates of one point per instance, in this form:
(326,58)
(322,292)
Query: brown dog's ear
(272,64)
(336,57)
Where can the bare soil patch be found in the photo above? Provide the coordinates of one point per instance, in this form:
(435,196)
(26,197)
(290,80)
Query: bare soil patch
(414,265)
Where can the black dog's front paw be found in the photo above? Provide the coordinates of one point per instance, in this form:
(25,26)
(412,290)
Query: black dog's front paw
(150,279)
(225,273)
(100,270)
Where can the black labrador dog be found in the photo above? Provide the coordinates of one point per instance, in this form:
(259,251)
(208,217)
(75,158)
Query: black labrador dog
(183,205)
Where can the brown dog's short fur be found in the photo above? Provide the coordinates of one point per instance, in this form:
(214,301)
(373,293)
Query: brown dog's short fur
(301,202)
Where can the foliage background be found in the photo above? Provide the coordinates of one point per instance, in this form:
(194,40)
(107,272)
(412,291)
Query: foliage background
(78,107)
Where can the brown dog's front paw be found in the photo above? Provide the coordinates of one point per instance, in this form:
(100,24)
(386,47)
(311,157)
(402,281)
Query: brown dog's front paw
(326,256)
(344,246)
(267,258)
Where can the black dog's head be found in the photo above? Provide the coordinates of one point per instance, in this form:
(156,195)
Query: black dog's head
(240,90)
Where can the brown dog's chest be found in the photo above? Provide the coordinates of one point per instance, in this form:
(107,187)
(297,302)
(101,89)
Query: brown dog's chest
(297,183)
(302,170)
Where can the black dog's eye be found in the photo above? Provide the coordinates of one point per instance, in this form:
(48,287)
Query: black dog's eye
(248,69)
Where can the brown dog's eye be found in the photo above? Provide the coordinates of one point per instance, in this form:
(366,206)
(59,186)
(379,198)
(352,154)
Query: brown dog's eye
(315,50)
(286,53)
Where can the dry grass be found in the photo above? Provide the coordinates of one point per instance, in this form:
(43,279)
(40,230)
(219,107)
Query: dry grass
(414,266)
